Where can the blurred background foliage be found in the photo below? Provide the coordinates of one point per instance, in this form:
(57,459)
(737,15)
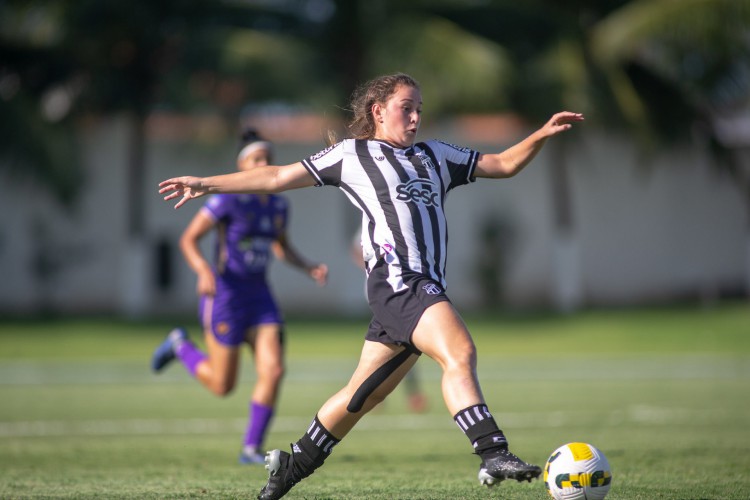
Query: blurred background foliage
(662,71)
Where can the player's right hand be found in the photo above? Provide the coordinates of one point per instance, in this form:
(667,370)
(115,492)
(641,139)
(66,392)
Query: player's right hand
(206,283)
(185,187)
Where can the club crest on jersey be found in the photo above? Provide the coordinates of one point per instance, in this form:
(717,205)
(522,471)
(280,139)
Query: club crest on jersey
(426,160)
(432,289)
(418,191)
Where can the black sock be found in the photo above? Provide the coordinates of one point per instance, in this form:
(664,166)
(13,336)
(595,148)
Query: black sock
(479,426)
(312,449)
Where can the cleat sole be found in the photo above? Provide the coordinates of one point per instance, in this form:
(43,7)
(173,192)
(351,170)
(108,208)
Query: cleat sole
(485,479)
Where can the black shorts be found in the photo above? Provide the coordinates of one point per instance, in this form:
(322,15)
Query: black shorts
(396,314)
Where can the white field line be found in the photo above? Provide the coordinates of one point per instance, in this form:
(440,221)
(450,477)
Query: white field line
(635,367)
(643,415)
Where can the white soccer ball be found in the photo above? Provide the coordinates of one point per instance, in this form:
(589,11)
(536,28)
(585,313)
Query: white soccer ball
(577,471)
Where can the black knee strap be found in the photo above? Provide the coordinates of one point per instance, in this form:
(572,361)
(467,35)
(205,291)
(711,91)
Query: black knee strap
(378,377)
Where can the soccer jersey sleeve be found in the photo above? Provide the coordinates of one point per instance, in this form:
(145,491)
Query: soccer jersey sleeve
(218,206)
(460,163)
(325,167)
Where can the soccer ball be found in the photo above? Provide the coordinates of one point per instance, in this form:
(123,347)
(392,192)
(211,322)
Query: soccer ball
(577,471)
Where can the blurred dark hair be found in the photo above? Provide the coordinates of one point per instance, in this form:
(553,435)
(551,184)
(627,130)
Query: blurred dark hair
(248,136)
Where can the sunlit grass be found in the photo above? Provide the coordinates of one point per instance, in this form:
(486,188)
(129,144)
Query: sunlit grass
(661,391)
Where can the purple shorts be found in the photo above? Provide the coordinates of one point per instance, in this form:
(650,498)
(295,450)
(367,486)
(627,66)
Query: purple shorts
(234,310)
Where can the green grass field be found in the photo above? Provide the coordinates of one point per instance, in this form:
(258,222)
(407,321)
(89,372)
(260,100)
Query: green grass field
(663,392)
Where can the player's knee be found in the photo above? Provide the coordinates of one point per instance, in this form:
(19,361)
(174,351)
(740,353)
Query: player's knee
(462,356)
(223,388)
(271,373)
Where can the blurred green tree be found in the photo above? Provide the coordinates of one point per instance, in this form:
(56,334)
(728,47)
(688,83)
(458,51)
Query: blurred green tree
(179,54)
(35,136)
(660,70)
(67,59)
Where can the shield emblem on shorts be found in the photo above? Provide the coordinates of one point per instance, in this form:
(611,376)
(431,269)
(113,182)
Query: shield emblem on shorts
(432,289)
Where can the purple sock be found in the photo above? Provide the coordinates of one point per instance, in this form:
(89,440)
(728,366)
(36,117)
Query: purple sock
(189,355)
(260,417)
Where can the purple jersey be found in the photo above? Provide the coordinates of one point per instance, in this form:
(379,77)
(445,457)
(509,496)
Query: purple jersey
(247,225)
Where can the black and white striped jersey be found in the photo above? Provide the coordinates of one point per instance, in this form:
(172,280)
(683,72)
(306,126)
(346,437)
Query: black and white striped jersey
(401,193)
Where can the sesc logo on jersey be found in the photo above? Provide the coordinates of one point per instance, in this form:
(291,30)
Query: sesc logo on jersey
(418,191)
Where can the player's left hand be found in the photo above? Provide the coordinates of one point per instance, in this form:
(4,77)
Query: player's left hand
(560,122)
(185,187)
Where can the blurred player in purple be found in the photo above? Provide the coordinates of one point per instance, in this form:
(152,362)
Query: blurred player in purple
(236,303)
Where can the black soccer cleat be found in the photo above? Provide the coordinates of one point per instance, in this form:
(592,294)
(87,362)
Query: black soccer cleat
(502,464)
(280,480)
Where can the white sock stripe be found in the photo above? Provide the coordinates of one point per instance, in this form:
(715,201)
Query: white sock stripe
(329,446)
(467,414)
(321,440)
(460,422)
(479,415)
(312,424)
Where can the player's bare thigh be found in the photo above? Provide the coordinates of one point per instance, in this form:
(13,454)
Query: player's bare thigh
(442,335)
(268,351)
(265,342)
(219,371)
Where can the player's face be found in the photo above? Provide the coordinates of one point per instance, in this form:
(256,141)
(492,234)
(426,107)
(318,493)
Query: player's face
(256,158)
(398,120)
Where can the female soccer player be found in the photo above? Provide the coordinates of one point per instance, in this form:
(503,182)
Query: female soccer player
(236,303)
(400,186)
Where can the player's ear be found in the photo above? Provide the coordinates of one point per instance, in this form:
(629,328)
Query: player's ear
(377,112)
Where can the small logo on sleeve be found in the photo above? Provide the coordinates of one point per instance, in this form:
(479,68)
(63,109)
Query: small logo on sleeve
(432,289)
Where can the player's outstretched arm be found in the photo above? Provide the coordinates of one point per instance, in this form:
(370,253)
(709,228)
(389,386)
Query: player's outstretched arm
(260,180)
(514,159)
(285,251)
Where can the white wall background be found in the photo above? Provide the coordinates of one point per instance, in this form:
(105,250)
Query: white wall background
(674,229)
